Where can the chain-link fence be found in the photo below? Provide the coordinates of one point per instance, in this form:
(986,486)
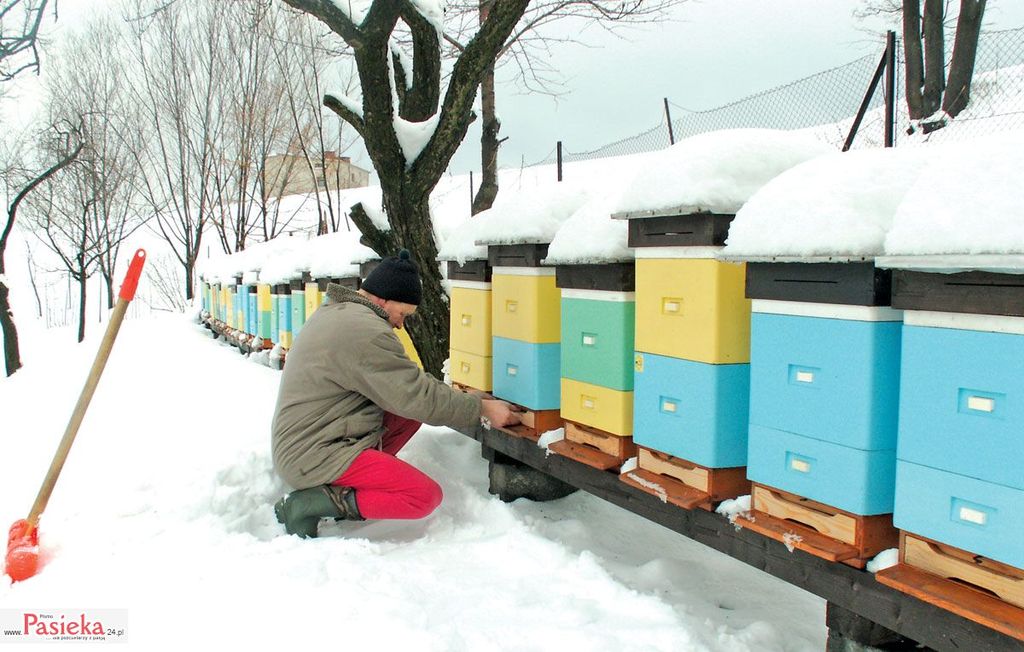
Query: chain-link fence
(997,90)
(828,102)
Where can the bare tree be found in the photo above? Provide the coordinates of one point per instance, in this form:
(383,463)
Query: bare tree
(309,63)
(410,130)
(932,84)
(180,85)
(87,80)
(20,21)
(19,183)
(62,217)
(253,120)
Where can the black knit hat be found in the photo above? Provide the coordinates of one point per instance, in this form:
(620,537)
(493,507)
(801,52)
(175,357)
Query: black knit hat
(395,279)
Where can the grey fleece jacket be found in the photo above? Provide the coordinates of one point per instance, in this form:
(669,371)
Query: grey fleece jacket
(345,369)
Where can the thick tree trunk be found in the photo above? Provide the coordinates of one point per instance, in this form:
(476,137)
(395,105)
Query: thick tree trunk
(965,49)
(12,354)
(934,56)
(406,184)
(429,329)
(489,144)
(914,59)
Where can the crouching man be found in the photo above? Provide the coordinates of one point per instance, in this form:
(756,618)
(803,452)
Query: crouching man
(350,399)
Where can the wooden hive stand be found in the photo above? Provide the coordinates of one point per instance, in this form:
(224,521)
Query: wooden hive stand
(816,528)
(533,423)
(972,586)
(595,448)
(684,483)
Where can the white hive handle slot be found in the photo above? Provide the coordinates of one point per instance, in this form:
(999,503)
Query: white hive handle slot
(975,516)
(981,404)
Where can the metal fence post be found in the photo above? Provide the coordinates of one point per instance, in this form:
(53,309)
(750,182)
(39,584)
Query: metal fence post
(559,160)
(890,89)
(668,118)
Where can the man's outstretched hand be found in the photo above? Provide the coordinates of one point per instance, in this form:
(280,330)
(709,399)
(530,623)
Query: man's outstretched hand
(498,413)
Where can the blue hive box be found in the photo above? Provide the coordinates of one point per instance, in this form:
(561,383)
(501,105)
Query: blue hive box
(831,379)
(854,480)
(824,403)
(962,403)
(526,373)
(983,517)
(251,313)
(692,410)
(284,315)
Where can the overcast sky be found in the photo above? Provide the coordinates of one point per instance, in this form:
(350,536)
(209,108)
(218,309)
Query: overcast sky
(712,53)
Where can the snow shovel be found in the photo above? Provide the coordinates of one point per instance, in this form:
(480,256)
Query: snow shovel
(22,559)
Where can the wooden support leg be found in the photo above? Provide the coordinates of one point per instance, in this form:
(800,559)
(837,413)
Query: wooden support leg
(511,479)
(851,632)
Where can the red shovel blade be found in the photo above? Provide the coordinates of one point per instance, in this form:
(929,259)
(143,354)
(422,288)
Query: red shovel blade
(22,559)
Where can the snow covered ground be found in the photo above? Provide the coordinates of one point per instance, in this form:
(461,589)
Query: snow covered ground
(164,510)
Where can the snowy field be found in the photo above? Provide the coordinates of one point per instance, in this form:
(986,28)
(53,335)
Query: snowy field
(164,510)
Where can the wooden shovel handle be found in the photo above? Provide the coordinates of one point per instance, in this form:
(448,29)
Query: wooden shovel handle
(131,282)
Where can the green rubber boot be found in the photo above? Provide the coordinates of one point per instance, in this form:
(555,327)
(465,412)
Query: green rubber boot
(301,511)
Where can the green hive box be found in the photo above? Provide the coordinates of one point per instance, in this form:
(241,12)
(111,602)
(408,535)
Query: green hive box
(597,341)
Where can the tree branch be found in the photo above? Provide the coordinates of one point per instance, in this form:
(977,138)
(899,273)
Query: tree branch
(480,53)
(349,116)
(421,99)
(332,16)
(382,242)
(63,162)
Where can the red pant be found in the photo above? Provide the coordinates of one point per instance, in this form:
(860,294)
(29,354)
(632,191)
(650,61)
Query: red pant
(387,487)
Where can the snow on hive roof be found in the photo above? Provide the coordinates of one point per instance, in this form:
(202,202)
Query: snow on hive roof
(337,255)
(286,257)
(969,199)
(840,204)
(534,215)
(589,235)
(533,206)
(717,171)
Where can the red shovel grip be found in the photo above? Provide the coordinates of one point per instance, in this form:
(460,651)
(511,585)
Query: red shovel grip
(22,559)
(131,279)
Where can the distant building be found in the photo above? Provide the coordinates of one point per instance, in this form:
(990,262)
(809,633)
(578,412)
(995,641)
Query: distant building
(289,174)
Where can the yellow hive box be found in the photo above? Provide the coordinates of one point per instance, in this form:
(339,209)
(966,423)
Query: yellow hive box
(410,348)
(471,370)
(607,409)
(312,296)
(471,320)
(225,303)
(526,306)
(286,339)
(692,309)
(263,298)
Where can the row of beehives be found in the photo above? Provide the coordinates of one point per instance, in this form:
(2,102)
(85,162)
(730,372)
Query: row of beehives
(261,316)
(801,378)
